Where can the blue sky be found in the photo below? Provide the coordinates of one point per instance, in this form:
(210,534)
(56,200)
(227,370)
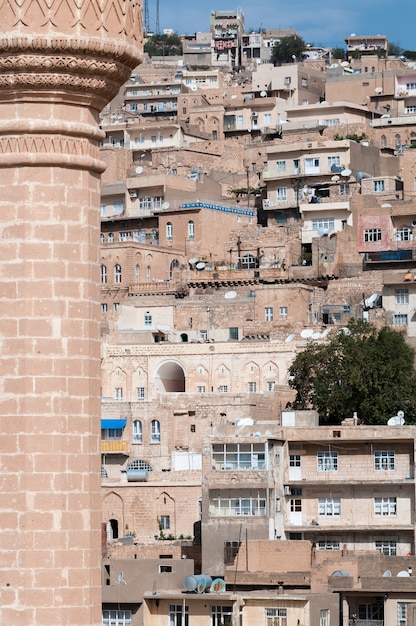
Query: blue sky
(317,21)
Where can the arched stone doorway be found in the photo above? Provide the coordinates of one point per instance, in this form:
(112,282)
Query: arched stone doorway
(170,378)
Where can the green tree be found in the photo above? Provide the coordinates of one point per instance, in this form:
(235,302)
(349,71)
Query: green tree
(288,49)
(163,45)
(338,53)
(360,369)
(394,49)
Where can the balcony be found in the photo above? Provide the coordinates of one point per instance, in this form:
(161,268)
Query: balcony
(115,446)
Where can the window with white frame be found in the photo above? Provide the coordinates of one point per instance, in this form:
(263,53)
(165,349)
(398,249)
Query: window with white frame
(329,507)
(191,229)
(334,121)
(312,165)
(287,80)
(404,234)
(372,234)
(385,507)
(328,545)
(116,306)
(252,387)
(384,460)
(323,223)
(140,393)
(164,521)
(402,614)
(221,615)
(270,385)
(304,82)
(268,314)
(147,319)
(125,235)
(267,119)
(402,296)
(110,238)
(281,166)
(104,307)
(118,393)
(203,335)
(378,185)
(276,617)
(223,389)
(389,548)
(400,319)
(411,109)
(139,464)
(324,617)
(344,189)
(117,274)
(137,432)
(281,194)
(333,160)
(327,461)
(295,505)
(200,388)
(295,460)
(103,274)
(155,431)
(283,311)
(236,502)
(178,615)
(169,231)
(117,617)
(239,456)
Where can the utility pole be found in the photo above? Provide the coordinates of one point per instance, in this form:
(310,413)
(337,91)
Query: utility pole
(157,18)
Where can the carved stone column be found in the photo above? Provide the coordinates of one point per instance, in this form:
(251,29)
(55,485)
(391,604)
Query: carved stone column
(61,61)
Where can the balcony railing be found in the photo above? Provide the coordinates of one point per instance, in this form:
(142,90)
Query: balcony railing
(114,445)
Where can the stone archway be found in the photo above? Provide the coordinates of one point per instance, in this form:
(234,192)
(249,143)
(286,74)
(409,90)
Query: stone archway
(170,378)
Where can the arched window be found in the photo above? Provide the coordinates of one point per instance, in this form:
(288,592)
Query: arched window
(139,464)
(169,231)
(103,274)
(155,432)
(102,238)
(397,142)
(148,273)
(191,229)
(110,238)
(137,274)
(117,274)
(184,338)
(383,141)
(137,431)
(173,265)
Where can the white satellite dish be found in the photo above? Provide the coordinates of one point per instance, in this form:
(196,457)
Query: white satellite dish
(316,336)
(306,333)
(344,63)
(378,90)
(344,331)
(230,295)
(346,172)
(387,573)
(194,87)
(400,413)
(396,420)
(200,265)
(334,65)
(289,338)
(403,574)
(263,94)
(165,205)
(193,261)
(326,332)
(139,169)
(335,178)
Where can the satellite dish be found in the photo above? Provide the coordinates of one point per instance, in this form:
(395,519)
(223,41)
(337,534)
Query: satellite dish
(378,89)
(344,331)
(326,332)
(230,295)
(396,420)
(120,578)
(289,338)
(346,172)
(403,574)
(217,585)
(344,63)
(316,336)
(200,265)
(139,169)
(341,572)
(193,261)
(306,333)
(202,584)
(334,65)
(263,94)
(335,178)
(194,87)
(387,573)
(400,413)
(165,205)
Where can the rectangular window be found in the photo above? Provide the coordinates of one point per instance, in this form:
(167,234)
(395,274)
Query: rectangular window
(327,461)
(288,80)
(118,393)
(304,82)
(384,460)
(104,307)
(335,121)
(116,306)
(400,319)
(267,119)
(411,109)
(389,548)
(402,614)
(404,234)
(221,615)
(239,456)
(223,389)
(402,296)
(281,166)
(295,505)
(281,194)
(117,618)
(295,460)
(203,335)
(296,166)
(323,223)
(276,617)
(333,160)
(147,319)
(312,166)
(328,545)
(329,507)
(236,502)
(270,385)
(385,506)
(178,615)
(324,617)
(164,522)
(344,189)
(379,185)
(140,393)
(201,389)
(233,332)
(372,234)
(252,387)
(268,314)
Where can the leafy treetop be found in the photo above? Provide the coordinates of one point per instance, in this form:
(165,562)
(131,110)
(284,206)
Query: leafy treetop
(288,49)
(362,369)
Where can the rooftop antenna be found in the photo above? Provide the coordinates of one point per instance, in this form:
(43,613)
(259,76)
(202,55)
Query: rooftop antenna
(146,19)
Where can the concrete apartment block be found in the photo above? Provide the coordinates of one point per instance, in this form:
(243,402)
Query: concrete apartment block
(60,64)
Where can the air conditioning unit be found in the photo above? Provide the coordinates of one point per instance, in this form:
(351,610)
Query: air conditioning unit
(288,490)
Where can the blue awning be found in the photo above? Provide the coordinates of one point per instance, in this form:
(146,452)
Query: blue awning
(120,423)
